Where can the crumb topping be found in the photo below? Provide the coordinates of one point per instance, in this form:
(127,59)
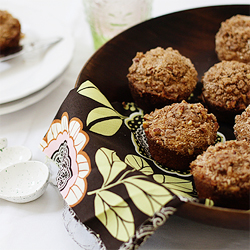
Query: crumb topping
(182,127)
(10,30)
(163,71)
(226,165)
(242,125)
(233,39)
(227,84)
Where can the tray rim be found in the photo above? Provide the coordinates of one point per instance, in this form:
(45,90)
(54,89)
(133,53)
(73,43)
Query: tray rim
(187,209)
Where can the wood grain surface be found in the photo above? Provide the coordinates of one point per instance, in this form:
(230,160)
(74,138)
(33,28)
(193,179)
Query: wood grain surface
(192,32)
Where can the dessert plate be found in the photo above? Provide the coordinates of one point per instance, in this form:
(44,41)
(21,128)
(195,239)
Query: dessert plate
(23,76)
(26,101)
(192,32)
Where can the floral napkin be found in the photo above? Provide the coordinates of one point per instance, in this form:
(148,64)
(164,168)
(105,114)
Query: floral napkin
(106,174)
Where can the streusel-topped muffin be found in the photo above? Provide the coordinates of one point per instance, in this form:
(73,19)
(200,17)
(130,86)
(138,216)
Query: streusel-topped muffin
(177,133)
(161,77)
(226,89)
(222,174)
(232,39)
(10,31)
(242,125)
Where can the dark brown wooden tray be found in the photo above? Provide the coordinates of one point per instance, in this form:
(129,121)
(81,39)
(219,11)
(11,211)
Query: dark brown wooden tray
(192,32)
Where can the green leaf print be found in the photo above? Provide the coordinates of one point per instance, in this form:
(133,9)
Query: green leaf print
(109,164)
(178,186)
(115,215)
(104,121)
(110,208)
(101,120)
(88,89)
(139,163)
(149,197)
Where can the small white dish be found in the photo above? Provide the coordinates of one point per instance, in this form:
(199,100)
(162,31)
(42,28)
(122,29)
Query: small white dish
(24,182)
(13,155)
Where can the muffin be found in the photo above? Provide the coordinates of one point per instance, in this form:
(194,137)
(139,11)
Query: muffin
(226,89)
(161,77)
(232,39)
(10,31)
(242,125)
(222,174)
(179,132)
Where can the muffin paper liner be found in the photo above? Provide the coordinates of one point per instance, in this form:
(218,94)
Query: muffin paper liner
(106,175)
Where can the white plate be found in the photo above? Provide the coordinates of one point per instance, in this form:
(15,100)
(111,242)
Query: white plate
(19,104)
(19,78)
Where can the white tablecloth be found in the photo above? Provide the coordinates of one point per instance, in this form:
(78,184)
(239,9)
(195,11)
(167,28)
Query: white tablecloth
(39,224)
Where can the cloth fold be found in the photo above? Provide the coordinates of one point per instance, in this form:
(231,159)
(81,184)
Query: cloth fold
(106,174)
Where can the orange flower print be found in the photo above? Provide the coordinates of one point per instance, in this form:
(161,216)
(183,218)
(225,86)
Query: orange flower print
(64,143)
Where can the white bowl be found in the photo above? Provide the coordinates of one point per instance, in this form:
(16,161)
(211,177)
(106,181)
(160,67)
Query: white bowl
(24,181)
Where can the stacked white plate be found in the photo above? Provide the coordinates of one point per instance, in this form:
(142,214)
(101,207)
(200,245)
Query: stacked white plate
(26,81)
